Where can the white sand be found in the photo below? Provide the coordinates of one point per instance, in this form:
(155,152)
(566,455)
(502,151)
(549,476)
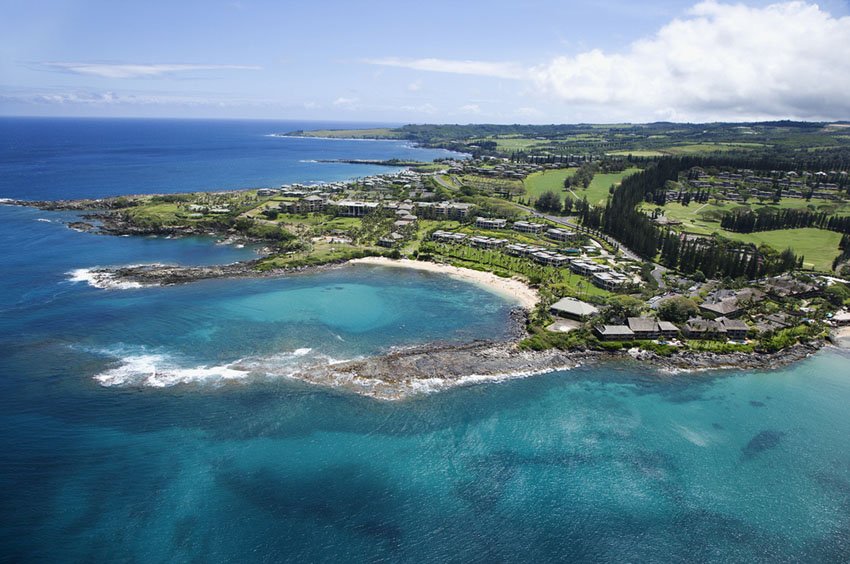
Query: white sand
(841,336)
(511,288)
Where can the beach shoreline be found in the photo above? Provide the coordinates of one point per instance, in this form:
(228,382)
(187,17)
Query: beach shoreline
(511,288)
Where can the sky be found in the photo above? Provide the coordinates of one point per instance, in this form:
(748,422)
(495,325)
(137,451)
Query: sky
(599,61)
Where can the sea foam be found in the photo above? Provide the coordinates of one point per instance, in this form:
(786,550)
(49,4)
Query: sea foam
(138,366)
(160,371)
(102,280)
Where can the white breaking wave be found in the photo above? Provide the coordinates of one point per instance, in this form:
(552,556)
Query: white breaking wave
(137,366)
(159,371)
(102,280)
(44,220)
(308,161)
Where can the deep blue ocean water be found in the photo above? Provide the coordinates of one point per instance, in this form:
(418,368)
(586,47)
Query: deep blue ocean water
(129,433)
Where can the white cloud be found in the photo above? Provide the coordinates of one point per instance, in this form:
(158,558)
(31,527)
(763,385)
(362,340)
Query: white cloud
(476,68)
(107,70)
(527,112)
(415,86)
(722,61)
(421,109)
(343,102)
(471,109)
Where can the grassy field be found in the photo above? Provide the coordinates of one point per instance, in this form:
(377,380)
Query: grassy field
(162,214)
(694,148)
(818,246)
(704,218)
(539,182)
(597,192)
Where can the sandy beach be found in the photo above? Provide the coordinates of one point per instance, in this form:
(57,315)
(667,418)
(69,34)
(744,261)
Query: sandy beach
(511,288)
(841,336)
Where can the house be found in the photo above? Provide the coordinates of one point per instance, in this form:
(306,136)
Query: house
(699,328)
(644,327)
(573,309)
(735,328)
(390,240)
(265,192)
(527,227)
(614,332)
(490,223)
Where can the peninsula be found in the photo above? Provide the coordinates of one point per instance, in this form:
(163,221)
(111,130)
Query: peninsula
(702,256)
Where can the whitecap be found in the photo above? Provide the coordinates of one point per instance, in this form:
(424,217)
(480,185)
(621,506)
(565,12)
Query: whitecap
(160,371)
(44,220)
(101,280)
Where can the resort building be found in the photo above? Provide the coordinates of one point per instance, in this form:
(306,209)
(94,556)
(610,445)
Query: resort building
(312,204)
(550,259)
(644,327)
(584,267)
(522,250)
(559,234)
(448,236)
(608,280)
(490,223)
(449,210)
(614,332)
(668,330)
(487,242)
(573,309)
(351,208)
(699,328)
(734,328)
(527,227)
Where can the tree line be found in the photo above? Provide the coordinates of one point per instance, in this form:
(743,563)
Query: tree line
(712,256)
(768,220)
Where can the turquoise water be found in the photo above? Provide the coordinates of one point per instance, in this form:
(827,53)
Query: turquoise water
(130,429)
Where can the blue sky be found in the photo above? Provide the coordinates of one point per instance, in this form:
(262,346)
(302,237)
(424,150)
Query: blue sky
(535,62)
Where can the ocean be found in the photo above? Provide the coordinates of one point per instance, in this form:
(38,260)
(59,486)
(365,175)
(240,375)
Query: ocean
(130,429)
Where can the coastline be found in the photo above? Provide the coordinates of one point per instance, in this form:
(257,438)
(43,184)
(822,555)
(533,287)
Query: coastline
(511,288)
(404,374)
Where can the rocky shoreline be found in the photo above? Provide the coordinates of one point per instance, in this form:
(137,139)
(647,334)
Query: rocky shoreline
(405,373)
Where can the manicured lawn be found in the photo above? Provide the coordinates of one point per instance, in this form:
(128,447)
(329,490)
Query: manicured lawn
(539,182)
(697,218)
(163,214)
(818,246)
(693,148)
(597,192)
